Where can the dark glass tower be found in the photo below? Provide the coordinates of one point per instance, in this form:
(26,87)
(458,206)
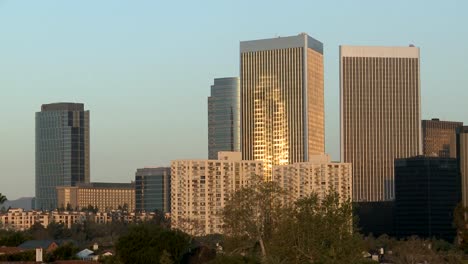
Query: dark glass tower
(427,190)
(62,150)
(224,117)
(153,189)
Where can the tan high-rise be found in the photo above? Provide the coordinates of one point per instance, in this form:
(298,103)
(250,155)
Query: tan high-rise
(380,115)
(201,188)
(319,175)
(282,101)
(462,155)
(439,138)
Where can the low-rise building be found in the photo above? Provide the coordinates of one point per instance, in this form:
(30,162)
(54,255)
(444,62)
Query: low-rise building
(103,196)
(19,219)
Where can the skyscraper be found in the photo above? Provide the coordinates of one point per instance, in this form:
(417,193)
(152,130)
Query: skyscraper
(62,150)
(153,189)
(380,115)
(224,116)
(282,100)
(462,160)
(427,192)
(439,138)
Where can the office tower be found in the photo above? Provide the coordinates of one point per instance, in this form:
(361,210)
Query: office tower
(201,188)
(427,191)
(380,115)
(105,196)
(319,175)
(439,138)
(462,160)
(62,150)
(153,189)
(282,100)
(224,116)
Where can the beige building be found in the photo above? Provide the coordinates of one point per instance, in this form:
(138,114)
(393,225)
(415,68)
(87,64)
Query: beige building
(380,115)
(200,189)
(282,100)
(462,155)
(104,196)
(319,176)
(439,138)
(19,219)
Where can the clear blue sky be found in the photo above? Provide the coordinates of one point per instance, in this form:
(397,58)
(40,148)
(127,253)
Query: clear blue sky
(144,68)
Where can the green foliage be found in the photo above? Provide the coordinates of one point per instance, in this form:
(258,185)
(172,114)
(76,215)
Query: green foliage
(22,256)
(12,238)
(58,231)
(64,252)
(146,243)
(259,221)
(236,259)
(317,231)
(252,214)
(3,199)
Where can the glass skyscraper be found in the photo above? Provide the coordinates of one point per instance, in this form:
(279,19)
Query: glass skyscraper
(153,189)
(224,116)
(282,100)
(62,150)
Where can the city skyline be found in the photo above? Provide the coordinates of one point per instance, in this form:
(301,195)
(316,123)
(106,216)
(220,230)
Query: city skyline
(40,69)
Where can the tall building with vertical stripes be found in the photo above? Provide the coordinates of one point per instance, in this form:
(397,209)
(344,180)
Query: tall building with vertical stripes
(62,150)
(462,160)
(282,100)
(380,115)
(224,116)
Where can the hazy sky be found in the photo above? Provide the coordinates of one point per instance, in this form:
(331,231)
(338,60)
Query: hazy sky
(144,68)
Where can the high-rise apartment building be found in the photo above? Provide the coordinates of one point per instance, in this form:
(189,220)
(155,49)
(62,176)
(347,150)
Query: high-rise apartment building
(319,175)
(201,188)
(101,195)
(427,191)
(439,138)
(62,150)
(380,115)
(224,116)
(153,189)
(462,160)
(282,100)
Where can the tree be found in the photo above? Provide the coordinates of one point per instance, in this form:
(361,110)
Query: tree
(260,218)
(12,238)
(64,252)
(3,199)
(146,244)
(252,214)
(317,231)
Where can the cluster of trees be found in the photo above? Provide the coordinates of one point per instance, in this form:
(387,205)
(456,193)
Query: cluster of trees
(261,226)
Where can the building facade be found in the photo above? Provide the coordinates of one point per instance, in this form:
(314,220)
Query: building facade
(103,196)
(153,189)
(380,115)
(282,100)
(62,150)
(319,176)
(200,189)
(427,191)
(19,219)
(439,138)
(462,160)
(224,116)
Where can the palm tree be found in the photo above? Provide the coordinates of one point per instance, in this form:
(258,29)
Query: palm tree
(2,198)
